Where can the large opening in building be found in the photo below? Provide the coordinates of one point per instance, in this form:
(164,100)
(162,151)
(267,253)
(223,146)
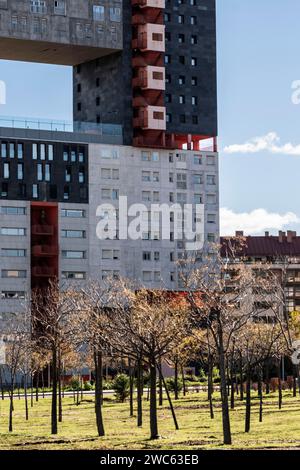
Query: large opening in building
(36,96)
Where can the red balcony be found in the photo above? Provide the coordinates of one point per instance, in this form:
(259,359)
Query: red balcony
(150,37)
(152,118)
(42,230)
(149,3)
(43,271)
(150,77)
(44,250)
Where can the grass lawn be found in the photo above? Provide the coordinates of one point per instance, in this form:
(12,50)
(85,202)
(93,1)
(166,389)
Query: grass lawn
(280,428)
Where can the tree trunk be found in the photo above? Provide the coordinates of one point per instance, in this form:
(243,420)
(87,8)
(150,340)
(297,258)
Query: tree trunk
(210,387)
(260,395)
(31,390)
(139,394)
(26,398)
(160,387)
(11,407)
(248,401)
(176,379)
(153,401)
(241,379)
(60,417)
(294,381)
(169,397)
(232,390)
(223,387)
(54,392)
(267,378)
(131,387)
(37,386)
(183,381)
(98,392)
(279,386)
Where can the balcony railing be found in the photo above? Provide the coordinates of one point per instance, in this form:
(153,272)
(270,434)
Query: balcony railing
(42,230)
(43,271)
(60,126)
(44,250)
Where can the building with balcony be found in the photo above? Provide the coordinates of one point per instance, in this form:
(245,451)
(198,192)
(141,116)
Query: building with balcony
(144,93)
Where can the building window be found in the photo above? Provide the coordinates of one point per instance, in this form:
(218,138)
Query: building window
(115,14)
(193,39)
(73,213)
(66,193)
(3,150)
(181,80)
(35,191)
(38,6)
(195,119)
(193,20)
(12,210)
(181,38)
(198,159)
(167,17)
(193,62)
(72,254)
(20,171)
(47,172)
(194,100)
(13,253)
(9,295)
(13,232)
(11,150)
(59,7)
(182,119)
(211,179)
(39,172)
(73,234)
(198,179)
(6,170)
(167,59)
(73,275)
(98,13)
(194,81)
(180,19)
(182,59)
(20,151)
(211,218)
(15,274)
(181,99)
(50,152)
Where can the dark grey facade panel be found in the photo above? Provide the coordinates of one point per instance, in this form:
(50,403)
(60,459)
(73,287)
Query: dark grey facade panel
(186,82)
(66,180)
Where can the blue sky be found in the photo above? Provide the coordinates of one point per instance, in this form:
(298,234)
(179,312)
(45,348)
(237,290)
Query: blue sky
(258,60)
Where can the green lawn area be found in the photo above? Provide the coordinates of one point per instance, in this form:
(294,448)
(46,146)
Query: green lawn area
(280,428)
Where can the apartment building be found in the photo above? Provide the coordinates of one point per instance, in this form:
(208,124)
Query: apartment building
(144,128)
(280,253)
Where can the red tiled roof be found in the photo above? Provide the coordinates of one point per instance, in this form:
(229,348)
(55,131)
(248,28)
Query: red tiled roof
(261,246)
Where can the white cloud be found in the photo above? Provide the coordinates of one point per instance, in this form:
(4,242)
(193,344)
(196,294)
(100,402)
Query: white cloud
(269,143)
(255,222)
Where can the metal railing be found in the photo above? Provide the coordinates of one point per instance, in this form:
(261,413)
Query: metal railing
(60,126)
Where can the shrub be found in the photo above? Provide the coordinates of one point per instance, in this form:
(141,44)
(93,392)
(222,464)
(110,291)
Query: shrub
(75,383)
(121,387)
(88,386)
(170,382)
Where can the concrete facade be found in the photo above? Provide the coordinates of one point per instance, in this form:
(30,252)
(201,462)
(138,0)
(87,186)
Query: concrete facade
(65,32)
(144,176)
